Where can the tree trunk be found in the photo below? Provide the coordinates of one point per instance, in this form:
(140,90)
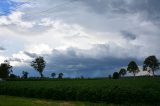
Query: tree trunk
(153,72)
(134,75)
(41,75)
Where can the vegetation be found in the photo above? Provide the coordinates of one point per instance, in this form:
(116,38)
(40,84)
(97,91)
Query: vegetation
(122,72)
(16,101)
(39,65)
(151,64)
(53,75)
(5,69)
(12,76)
(25,74)
(115,75)
(125,90)
(145,90)
(133,68)
(60,75)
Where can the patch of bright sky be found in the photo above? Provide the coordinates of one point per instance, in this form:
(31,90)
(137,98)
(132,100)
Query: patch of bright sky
(7,6)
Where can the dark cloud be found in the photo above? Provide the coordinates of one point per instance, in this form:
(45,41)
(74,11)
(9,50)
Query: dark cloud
(149,8)
(74,64)
(32,55)
(109,19)
(128,35)
(15,60)
(2,48)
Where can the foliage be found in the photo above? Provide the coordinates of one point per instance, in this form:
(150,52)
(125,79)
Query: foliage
(5,69)
(25,74)
(53,75)
(133,68)
(137,90)
(12,76)
(122,72)
(152,63)
(39,65)
(60,75)
(115,75)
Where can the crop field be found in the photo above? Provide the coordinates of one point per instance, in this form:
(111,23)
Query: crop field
(141,90)
(22,101)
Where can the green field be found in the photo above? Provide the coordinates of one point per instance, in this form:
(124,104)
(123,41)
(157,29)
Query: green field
(21,101)
(142,90)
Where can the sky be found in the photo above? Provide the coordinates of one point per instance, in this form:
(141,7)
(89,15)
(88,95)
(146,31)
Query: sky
(90,38)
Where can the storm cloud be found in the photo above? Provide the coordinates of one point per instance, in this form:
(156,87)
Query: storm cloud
(91,38)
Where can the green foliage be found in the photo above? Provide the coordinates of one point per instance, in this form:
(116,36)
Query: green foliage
(53,75)
(12,76)
(137,90)
(60,75)
(25,74)
(5,69)
(133,68)
(39,65)
(115,75)
(151,62)
(122,72)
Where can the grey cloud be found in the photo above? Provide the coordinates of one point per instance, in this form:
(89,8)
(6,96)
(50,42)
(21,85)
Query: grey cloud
(128,35)
(15,59)
(128,18)
(96,15)
(32,55)
(105,6)
(74,62)
(2,48)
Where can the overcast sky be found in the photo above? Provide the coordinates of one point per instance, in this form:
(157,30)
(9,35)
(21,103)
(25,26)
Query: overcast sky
(91,38)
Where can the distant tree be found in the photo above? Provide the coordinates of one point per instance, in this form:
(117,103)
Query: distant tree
(151,64)
(109,76)
(133,68)
(115,75)
(39,65)
(60,75)
(25,74)
(82,77)
(5,69)
(12,76)
(53,75)
(122,72)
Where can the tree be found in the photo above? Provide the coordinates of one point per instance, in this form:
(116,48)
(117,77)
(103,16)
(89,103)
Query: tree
(60,75)
(152,63)
(25,74)
(12,76)
(39,65)
(133,68)
(5,69)
(53,75)
(122,72)
(115,75)
(109,76)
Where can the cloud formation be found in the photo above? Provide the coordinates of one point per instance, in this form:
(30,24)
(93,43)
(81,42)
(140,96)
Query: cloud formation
(80,37)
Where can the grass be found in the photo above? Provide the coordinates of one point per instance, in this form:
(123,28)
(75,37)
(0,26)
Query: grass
(21,101)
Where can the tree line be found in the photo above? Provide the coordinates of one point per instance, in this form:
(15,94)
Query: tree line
(150,64)
(38,64)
